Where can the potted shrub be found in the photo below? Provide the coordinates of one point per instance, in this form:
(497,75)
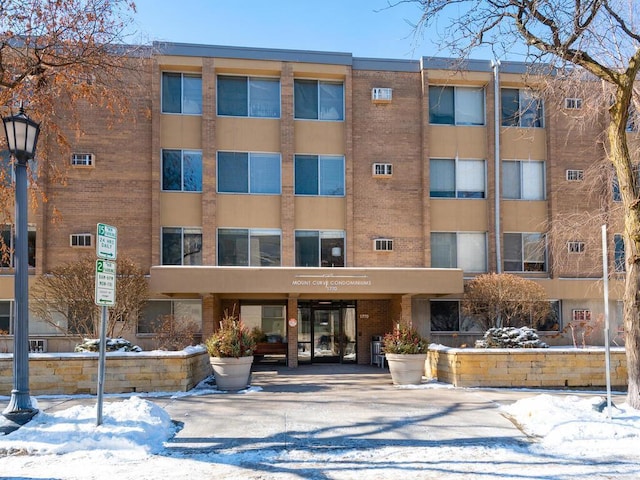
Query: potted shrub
(231,349)
(406,352)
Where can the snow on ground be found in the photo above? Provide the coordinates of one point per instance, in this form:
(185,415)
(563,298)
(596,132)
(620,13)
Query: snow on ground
(574,440)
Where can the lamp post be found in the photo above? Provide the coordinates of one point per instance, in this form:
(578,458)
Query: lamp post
(22,138)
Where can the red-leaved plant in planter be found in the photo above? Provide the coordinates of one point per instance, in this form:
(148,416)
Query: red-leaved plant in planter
(404,339)
(232,340)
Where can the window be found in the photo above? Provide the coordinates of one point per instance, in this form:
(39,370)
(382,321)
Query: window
(447,316)
(618,253)
(188,313)
(256,173)
(523,180)
(581,315)
(269,319)
(382,169)
(248,97)
(182,170)
(575,247)
(573,103)
(318,100)
(82,159)
(181,246)
(319,248)
(456,178)
(456,105)
(7,246)
(248,248)
(81,240)
(181,93)
(575,175)
(521,108)
(467,251)
(319,175)
(6,317)
(383,245)
(525,252)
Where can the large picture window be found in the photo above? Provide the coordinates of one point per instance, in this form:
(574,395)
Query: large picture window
(248,248)
(318,100)
(525,252)
(181,93)
(182,170)
(186,313)
(523,180)
(457,178)
(181,246)
(242,172)
(319,248)
(248,96)
(521,108)
(6,317)
(467,251)
(319,175)
(456,105)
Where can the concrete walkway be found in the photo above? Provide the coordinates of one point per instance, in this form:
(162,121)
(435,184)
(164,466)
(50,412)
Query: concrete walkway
(338,406)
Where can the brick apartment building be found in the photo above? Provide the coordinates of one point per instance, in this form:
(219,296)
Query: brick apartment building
(328,196)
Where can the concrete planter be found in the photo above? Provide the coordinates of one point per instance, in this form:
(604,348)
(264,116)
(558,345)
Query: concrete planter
(231,373)
(406,369)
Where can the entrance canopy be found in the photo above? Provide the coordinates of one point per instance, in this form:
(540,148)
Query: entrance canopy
(306,282)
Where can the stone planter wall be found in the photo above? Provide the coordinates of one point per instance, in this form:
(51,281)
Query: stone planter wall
(77,373)
(536,367)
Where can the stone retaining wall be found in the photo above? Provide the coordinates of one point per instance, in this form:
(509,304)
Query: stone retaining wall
(76,373)
(531,367)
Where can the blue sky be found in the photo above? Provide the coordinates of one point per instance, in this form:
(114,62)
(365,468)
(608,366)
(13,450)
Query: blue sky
(365,28)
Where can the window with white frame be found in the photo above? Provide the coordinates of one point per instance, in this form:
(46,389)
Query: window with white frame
(575,247)
(465,250)
(525,252)
(456,105)
(181,93)
(574,175)
(321,175)
(7,246)
(156,313)
(248,96)
(6,317)
(581,315)
(618,253)
(249,247)
(181,246)
(573,103)
(82,159)
(249,172)
(383,245)
(382,169)
(521,108)
(523,180)
(81,240)
(457,178)
(318,100)
(182,170)
(319,248)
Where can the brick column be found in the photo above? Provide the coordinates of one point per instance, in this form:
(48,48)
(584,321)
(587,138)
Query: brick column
(292,333)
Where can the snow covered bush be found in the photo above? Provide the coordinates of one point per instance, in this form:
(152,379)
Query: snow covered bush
(112,345)
(511,337)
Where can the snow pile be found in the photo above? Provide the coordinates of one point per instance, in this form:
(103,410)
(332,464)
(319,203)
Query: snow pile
(573,426)
(132,426)
(112,345)
(511,337)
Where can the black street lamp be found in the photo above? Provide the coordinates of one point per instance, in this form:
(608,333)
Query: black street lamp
(22,138)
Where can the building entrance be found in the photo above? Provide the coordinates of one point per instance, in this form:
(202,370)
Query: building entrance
(327,332)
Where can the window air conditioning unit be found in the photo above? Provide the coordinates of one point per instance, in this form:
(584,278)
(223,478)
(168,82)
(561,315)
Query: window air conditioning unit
(381,95)
(38,345)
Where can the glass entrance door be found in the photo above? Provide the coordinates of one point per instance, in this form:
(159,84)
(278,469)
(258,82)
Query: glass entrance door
(327,332)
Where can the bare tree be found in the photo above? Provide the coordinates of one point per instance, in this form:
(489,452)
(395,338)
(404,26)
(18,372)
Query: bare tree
(67,292)
(505,300)
(61,53)
(595,37)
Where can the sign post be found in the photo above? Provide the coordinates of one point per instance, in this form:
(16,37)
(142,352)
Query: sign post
(105,295)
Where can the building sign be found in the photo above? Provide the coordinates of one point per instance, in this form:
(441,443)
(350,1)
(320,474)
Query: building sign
(330,283)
